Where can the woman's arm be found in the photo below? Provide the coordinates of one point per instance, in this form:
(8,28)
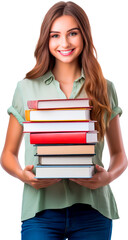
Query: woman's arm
(118,159)
(9,157)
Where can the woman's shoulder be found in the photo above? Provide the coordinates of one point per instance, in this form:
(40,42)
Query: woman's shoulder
(111,88)
(109,83)
(113,98)
(29,82)
(36,88)
(36,81)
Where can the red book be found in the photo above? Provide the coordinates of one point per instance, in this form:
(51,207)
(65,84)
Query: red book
(58,103)
(63,138)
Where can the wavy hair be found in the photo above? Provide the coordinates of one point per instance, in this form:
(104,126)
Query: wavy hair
(95,84)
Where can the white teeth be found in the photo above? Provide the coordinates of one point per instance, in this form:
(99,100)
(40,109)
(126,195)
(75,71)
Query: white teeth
(66,51)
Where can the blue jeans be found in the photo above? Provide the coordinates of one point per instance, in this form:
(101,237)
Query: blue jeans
(78,222)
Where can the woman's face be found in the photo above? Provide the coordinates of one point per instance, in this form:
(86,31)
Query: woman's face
(65,41)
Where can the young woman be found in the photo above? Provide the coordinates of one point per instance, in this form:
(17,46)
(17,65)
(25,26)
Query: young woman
(66,67)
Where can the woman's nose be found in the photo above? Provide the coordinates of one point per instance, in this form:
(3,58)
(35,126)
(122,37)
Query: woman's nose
(64,42)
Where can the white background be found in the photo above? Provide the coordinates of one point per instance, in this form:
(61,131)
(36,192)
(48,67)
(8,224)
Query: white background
(20,23)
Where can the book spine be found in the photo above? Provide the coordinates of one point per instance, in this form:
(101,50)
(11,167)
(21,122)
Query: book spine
(27,115)
(58,138)
(32,104)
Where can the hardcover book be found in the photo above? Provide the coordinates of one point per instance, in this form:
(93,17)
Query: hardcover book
(58,115)
(65,149)
(66,126)
(58,103)
(63,138)
(63,171)
(65,160)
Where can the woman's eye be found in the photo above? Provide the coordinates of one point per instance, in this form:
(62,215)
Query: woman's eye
(70,34)
(54,36)
(73,33)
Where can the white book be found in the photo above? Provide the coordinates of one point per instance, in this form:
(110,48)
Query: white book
(65,160)
(62,171)
(57,115)
(66,126)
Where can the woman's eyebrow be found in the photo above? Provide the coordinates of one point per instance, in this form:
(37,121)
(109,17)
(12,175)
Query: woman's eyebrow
(67,31)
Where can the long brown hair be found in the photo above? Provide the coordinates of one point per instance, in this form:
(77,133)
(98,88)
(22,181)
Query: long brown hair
(95,84)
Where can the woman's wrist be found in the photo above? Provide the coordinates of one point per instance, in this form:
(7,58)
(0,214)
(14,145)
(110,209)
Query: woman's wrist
(110,176)
(19,174)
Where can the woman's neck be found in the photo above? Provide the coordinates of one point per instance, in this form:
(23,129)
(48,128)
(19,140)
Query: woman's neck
(66,73)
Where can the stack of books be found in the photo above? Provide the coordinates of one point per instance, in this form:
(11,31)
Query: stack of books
(64,135)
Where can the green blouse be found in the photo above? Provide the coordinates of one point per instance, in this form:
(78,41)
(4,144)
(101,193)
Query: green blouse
(64,193)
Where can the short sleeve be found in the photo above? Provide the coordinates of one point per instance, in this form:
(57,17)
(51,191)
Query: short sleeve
(113,101)
(17,107)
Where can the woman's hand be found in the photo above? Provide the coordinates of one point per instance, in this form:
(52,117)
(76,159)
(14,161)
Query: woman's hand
(29,178)
(99,179)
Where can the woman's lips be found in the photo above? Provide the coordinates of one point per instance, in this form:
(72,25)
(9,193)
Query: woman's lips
(66,52)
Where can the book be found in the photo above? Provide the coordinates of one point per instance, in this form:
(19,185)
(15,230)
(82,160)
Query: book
(67,126)
(58,103)
(65,160)
(65,149)
(64,171)
(58,115)
(63,137)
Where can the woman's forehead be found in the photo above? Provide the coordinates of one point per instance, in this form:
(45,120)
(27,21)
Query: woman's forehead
(64,22)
